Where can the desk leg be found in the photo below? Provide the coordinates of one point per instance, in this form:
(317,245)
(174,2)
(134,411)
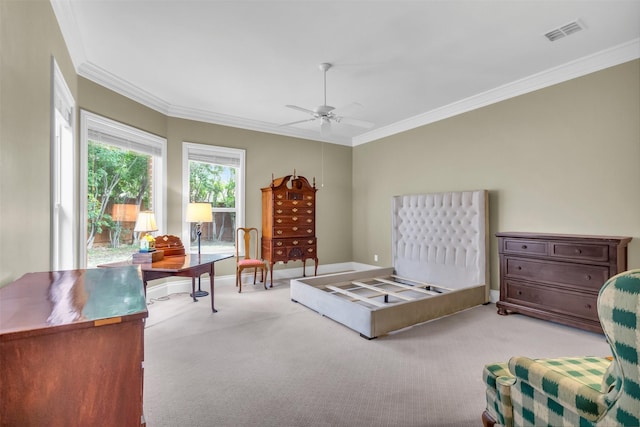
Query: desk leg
(211,274)
(193,288)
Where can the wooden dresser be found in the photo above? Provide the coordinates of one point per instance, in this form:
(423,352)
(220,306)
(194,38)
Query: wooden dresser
(289,221)
(72,348)
(557,277)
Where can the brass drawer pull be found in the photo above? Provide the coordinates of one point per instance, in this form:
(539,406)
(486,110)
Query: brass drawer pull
(524,246)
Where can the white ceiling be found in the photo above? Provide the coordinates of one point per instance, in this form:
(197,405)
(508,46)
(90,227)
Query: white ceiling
(407,63)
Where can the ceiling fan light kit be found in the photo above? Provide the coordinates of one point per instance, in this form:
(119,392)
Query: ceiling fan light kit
(327,113)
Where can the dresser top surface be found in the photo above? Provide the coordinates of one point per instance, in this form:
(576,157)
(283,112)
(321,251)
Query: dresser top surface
(41,302)
(559,236)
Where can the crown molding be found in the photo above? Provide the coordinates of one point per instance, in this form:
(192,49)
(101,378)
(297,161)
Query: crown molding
(604,59)
(70,32)
(124,88)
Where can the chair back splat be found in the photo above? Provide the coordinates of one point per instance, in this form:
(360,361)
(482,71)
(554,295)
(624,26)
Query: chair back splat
(250,238)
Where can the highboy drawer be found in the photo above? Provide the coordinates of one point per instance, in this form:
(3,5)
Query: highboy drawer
(575,275)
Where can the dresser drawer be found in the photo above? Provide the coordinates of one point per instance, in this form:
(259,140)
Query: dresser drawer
(594,253)
(575,275)
(553,299)
(294,210)
(293,231)
(299,220)
(290,204)
(284,253)
(520,246)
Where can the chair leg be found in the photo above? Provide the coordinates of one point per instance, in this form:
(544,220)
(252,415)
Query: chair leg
(239,280)
(255,274)
(262,276)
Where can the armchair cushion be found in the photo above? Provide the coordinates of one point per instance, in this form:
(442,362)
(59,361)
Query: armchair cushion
(551,385)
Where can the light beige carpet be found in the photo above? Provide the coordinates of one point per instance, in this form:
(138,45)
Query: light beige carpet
(263,360)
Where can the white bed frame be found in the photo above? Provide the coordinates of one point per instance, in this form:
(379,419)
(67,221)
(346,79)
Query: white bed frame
(439,250)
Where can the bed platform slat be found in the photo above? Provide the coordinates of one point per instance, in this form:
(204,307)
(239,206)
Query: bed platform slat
(384,291)
(416,288)
(356,296)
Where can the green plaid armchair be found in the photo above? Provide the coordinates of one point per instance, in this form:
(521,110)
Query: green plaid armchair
(577,391)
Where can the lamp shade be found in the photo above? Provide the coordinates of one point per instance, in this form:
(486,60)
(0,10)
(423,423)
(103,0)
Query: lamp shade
(146,222)
(199,212)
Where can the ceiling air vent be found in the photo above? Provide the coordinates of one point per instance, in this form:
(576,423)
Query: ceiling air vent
(565,30)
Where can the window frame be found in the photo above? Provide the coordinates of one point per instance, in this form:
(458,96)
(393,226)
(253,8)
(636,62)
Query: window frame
(94,122)
(189,150)
(63,241)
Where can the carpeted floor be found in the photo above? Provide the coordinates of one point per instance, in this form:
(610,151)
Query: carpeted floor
(263,360)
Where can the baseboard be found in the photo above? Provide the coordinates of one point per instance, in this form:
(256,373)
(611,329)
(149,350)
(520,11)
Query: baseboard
(494,296)
(178,285)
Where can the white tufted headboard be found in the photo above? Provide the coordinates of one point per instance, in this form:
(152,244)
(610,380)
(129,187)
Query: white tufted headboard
(442,238)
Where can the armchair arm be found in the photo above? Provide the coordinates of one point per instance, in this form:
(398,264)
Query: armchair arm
(564,389)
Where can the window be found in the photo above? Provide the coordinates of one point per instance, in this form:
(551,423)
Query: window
(63,171)
(214,175)
(123,173)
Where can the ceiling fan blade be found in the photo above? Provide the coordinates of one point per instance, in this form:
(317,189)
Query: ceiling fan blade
(355,122)
(347,109)
(296,122)
(304,110)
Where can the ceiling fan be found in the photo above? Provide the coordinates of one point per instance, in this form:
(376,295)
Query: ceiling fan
(326,113)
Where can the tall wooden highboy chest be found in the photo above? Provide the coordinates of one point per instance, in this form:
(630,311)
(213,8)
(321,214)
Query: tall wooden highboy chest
(289,221)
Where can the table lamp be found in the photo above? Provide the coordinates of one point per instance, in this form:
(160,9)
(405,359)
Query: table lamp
(199,213)
(146,223)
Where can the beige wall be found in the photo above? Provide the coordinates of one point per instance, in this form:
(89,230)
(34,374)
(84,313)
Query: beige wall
(29,37)
(564,159)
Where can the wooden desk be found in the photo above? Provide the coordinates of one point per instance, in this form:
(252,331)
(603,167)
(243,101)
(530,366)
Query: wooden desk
(72,348)
(191,265)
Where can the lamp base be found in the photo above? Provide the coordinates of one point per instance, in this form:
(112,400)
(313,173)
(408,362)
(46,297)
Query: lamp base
(200,294)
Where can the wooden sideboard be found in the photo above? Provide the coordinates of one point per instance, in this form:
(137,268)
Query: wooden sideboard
(557,277)
(72,348)
(289,222)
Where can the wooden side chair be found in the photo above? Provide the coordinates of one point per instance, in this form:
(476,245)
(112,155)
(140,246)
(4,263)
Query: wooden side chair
(243,262)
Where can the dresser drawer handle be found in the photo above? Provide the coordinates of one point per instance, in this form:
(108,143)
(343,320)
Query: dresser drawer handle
(519,292)
(295,218)
(294,210)
(278,243)
(279,232)
(519,267)
(524,246)
(294,228)
(587,306)
(578,251)
(295,242)
(588,277)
